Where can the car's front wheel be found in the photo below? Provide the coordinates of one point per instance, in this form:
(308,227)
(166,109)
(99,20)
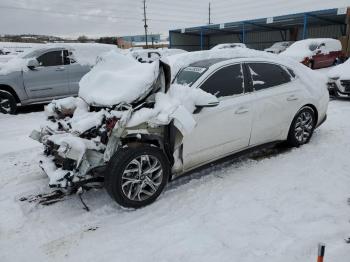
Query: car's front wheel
(302,127)
(8,103)
(135,177)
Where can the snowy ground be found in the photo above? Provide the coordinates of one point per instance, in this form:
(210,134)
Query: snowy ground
(267,208)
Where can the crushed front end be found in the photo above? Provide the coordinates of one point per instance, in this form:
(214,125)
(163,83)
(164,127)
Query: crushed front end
(77,141)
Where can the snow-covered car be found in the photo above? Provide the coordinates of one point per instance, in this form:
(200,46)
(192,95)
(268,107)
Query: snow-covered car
(339,80)
(278,47)
(316,52)
(151,55)
(147,124)
(228,46)
(45,73)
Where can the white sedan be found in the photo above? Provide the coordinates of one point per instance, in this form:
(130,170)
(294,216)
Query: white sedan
(238,103)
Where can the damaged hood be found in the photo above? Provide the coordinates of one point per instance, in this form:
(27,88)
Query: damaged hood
(117,79)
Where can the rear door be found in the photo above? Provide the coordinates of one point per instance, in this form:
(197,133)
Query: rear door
(278,96)
(50,79)
(225,128)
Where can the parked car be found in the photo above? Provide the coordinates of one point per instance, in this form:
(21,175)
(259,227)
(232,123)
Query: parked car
(339,80)
(228,45)
(316,52)
(278,47)
(136,142)
(44,74)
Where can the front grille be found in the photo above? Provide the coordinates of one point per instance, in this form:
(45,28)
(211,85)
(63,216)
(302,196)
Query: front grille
(346,85)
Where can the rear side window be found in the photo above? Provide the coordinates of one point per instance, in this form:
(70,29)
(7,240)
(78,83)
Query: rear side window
(53,58)
(226,81)
(266,75)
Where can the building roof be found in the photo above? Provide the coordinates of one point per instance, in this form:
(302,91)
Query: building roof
(278,23)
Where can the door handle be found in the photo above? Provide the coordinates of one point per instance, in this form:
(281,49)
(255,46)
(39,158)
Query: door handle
(61,68)
(292,98)
(241,110)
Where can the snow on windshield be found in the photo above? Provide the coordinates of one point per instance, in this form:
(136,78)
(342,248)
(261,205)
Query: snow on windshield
(117,78)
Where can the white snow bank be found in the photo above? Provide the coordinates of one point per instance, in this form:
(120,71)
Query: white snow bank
(117,78)
(341,71)
(177,104)
(308,47)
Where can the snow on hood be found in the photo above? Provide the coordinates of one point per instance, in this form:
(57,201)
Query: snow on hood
(301,49)
(341,71)
(116,79)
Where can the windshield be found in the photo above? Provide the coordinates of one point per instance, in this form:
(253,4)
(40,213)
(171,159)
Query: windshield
(189,75)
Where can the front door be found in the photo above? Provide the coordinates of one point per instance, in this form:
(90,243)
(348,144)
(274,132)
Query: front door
(50,79)
(223,129)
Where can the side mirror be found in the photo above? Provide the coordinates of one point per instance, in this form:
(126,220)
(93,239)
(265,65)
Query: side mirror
(33,63)
(209,104)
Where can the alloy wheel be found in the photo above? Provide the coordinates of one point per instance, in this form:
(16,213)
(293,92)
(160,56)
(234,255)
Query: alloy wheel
(5,105)
(142,177)
(304,127)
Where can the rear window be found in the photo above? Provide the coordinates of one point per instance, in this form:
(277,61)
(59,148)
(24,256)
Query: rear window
(189,75)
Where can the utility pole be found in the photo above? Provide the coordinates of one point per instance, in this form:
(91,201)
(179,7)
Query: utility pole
(145,20)
(209,14)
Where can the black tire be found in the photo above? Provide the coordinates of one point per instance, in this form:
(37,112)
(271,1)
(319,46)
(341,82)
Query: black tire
(117,167)
(297,137)
(8,104)
(334,93)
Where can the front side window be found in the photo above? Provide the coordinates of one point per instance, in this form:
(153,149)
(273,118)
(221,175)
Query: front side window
(266,75)
(226,81)
(53,58)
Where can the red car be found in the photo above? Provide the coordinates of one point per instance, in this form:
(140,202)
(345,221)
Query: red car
(316,52)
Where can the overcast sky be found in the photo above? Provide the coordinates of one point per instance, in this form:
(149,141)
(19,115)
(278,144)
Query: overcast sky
(124,17)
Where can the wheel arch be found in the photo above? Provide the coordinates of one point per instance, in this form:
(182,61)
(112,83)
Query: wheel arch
(9,89)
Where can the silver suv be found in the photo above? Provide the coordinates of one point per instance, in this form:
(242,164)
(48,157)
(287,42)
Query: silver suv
(49,73)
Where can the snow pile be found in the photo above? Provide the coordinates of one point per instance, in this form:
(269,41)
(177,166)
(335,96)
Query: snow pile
(306,48)
(150,55)
(14,65)
(117,78)
(178,105)
(231,45)
(341,71)
(88,53)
